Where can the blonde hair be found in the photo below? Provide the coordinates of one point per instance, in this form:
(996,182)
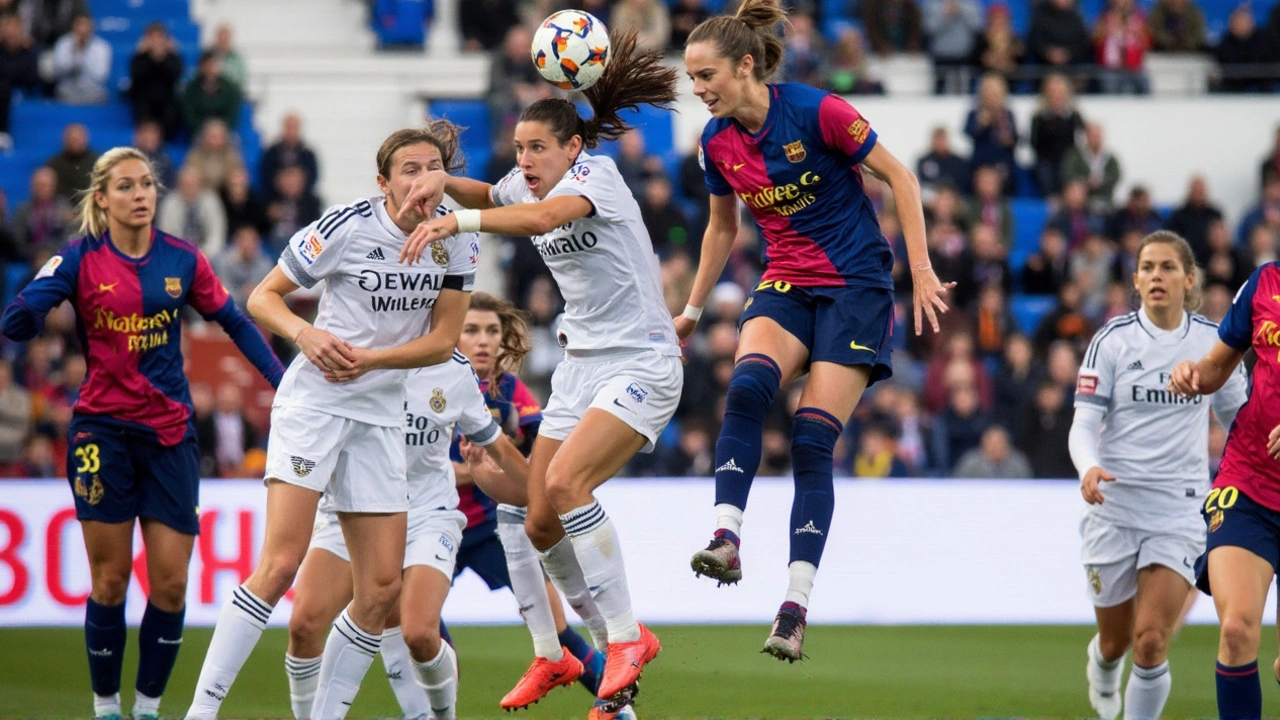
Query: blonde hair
(93,219)
(1191,301)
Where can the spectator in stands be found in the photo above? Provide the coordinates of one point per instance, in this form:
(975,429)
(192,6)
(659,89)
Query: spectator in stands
(850,74)
(952,27)
(1270,167)
(233,64)
(1243,46)
(234,433)
(989,206)
(293,209)
(1267,211)
(514,84)
(959,426)
(634,164)
(1217,300)
(1047,269)
(893,26)
(210,96)
(193,213)
(36,459)
(1137,214)
(242,265)
(243,205)
(775,451)
(685,16)
(1120,37)
(649,18)
(1123,267)
(1093,163)
(74,161)
(290,151)
(1263,245)
(1058,36)
(667,225)
(484,24)
(878,453)
(18,70)
(1075,219)
(1044,429)
(202,404)
(154,73)
(993,130)
(999,49)
(694,454)
(214,156)
(994,459)
(48,20)
(805,58)
(149,138)
(81,64)
(1225,263)
(1176,26)
(1091,273)
(991,319)
(45,220)
(959,365)
(989,264)
(1055,129)
(1193,218)
(693,186)
(1016,379)
(1064,322)
(948,250)
(15,415)
(941,166)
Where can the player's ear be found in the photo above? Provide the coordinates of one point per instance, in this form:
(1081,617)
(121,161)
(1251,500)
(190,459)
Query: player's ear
(100,199)
(382,185)
(746,66)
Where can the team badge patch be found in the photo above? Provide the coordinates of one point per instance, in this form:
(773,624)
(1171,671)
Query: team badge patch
(310,248)
(859,129)
(1087,385)
(173,286)
(1095,581)
(637,393)
(1215,520)
(91,493)
(49,267)
(302,467)
(437,402)
(439,253)
(795,151)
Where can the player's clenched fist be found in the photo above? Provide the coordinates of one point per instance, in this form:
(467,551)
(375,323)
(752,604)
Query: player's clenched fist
(1185,379)
(324,350)
(1089,486)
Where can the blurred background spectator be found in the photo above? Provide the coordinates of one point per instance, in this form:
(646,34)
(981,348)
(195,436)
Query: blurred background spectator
(73,164)
(18,70)
(210,95)
(952,27)
(154,73)
(849,72)
(81,64)
(193,213)
(45,220)
(893,26)
(1055,130)
(1176,26)
(291,150)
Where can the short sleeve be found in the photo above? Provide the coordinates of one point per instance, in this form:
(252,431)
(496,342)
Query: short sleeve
(716,184)
(1097,375)
(509,190)
(1236,329)
(207,295)
(464,256)
(596,180)
(477,423)
(527,407)
(315,251)
(844,129)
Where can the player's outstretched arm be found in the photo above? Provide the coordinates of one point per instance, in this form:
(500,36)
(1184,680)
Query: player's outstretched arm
(717,243)
(927,289)
(427,192)
(524,219)
(266,304)
(1208,374)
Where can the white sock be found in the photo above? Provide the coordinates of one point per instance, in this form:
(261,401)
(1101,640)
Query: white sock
(729,517)
(1148,689)
(145,705)
(527,583)
(239,627)
(595,542)
(348,653)
(106,705)
(561,564)
(439,677)
(1105,674)
(395,658)
(801,583)
(304,676)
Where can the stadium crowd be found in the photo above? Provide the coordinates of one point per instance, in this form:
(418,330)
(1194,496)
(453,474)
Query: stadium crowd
(989,397)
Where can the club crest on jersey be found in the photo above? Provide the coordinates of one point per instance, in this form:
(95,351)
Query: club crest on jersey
(302,467)
(173,286)
(795,151)
(1095,581)
(637,393)
(92,493)
(1215,520)
(439,253)
(437,402)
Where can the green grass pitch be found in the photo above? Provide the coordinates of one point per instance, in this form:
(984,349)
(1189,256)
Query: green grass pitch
(703,672)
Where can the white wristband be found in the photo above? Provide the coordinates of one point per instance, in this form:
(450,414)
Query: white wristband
(692,313)
(468,220)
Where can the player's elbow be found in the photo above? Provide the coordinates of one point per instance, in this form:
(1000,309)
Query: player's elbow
(17,323)
(543,222)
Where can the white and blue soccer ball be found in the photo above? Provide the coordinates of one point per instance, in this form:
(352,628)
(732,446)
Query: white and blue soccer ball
(571,49)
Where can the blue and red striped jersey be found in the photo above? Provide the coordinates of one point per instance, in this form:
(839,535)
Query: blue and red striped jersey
(518,414)
(800,178)
(129,320)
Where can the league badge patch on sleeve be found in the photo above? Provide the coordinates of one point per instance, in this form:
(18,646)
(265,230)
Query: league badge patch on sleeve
(859,129)
(49,267)
(310,248)
(1087,385)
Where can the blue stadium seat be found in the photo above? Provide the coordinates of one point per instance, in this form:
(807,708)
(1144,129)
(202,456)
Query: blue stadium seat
(159,9)
(33,116)
(15,173)
(14,274)
(470,114)
(1029,218)
(1028,310)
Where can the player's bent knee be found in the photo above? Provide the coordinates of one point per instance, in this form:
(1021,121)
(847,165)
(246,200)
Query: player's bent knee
(110,590)
(566,490)
(422,639)
(1240,636)
(378,594)
(544,530)
(273,576)
(1112,648)
(306,630)
(169,593)
(1150,647)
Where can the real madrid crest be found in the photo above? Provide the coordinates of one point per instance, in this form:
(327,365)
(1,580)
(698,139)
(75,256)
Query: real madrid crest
(173,286)
(438,403)
(439,253)
(1095,581)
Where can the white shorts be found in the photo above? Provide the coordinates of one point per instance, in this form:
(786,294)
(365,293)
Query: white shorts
(433,538)
(639,387)
(1126,551)
(316,450)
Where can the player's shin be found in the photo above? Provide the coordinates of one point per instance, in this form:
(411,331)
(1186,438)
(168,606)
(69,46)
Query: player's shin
(561,564)
(1239,692)
(1147,691)
(304,678)
(527,582)
(104,637)
(439,679)
(596,545)
(750,394)
(400,673)
(159,639)
(813,442)
(239,627)
(348,653)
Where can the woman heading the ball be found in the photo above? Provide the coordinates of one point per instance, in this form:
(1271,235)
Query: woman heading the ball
(621,378)
(794,155)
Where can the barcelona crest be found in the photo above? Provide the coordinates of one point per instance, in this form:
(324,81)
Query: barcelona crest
(91,493)
(795,151)
(173,286)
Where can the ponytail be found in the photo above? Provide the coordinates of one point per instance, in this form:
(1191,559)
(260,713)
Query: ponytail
(753,31)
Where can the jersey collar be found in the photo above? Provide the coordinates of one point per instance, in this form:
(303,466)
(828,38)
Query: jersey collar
(1151,329)
(769,117)
(106,240)
(384,219)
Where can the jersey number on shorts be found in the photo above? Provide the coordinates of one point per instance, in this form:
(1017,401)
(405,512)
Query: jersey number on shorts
(778,285)
(1221,499)
(87,455)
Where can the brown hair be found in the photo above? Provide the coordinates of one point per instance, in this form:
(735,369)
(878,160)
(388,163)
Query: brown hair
(515,333)
(93,219)
(1190,302)
(441,134)
(753,30)
(633,78)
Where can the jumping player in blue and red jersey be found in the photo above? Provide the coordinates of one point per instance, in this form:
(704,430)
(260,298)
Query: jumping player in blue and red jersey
(132,451)
(825,304)
(1242,511)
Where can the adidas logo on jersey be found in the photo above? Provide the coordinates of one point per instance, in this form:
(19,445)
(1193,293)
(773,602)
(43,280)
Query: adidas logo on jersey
(808,528)
(1135,365)
(376,255)
(730,466)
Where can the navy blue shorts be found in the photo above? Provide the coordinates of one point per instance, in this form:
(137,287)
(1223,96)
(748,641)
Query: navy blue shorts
(482,552)
(120,471)
(1235,520)
(842,325)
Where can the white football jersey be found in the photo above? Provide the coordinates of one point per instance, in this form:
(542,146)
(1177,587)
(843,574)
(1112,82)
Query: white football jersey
(369,300)
(604,263)
(1154,442)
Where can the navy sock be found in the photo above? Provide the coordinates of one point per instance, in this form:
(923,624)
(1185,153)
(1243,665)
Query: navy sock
(159,640)
(813,442)
(592,661)
(104,638)
(751,389)
(1239,692)
(444,634)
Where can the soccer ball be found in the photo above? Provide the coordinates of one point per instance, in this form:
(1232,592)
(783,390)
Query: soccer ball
(571,49)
